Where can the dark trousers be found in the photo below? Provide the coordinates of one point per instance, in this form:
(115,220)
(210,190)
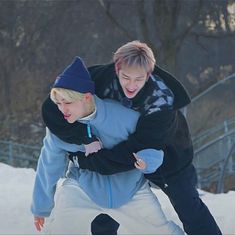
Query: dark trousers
(184,197)
(103,224)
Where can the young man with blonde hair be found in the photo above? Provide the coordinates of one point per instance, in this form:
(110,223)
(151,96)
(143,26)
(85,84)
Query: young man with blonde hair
(134,81)
(84,194)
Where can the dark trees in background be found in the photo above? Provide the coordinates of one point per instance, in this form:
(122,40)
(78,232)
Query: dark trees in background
(191,39)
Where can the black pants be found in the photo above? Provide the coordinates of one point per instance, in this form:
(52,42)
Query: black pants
(184,197)
(103,224)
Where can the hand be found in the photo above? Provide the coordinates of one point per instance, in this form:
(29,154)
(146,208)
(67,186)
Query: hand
(140,163)
(92,147)
(39,222)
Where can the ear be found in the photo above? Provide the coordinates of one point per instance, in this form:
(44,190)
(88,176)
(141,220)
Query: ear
(88,96)
(148,75)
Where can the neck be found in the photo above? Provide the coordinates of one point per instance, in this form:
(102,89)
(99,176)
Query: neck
(90,114)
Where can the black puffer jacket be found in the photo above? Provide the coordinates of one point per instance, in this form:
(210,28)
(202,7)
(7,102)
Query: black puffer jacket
(166,129)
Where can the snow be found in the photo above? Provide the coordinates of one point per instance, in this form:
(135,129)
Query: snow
(16,186)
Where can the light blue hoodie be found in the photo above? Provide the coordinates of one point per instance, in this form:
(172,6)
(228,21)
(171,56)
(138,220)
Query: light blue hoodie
(112,123)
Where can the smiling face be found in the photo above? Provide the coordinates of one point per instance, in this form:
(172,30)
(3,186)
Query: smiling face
(132,79)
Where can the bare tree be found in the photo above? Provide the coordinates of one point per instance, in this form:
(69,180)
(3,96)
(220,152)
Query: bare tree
(165,24)
(37,38)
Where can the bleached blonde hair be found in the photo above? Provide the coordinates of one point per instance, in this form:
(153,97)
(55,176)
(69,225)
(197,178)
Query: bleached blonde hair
(67,94)
(135,53)
(70,96)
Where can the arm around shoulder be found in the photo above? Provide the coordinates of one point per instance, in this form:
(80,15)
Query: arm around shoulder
(153,131)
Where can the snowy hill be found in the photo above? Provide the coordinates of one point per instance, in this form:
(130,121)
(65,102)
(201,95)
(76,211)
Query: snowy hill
(15,197)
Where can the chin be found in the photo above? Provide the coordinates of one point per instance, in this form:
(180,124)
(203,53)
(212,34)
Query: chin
(130,96)
(70,121)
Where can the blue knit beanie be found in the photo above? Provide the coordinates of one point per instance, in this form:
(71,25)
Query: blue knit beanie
(75,77)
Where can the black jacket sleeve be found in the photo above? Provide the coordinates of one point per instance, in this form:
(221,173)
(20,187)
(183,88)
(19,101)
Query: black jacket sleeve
(152,131)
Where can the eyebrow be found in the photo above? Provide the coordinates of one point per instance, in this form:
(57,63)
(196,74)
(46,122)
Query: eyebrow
(125,75)
(62,100)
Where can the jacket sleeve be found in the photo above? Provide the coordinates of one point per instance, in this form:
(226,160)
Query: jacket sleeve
(51,166)
(153,159)
(152,131)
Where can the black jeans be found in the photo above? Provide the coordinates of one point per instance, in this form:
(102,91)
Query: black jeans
(103,224)
(184,197)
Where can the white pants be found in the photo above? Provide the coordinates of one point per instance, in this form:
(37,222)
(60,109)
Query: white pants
(74,211)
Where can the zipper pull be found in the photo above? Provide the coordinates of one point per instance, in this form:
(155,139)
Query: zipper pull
(89,130)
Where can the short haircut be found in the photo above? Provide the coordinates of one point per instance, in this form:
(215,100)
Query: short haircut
(135,53)
(68,95)
(71,96)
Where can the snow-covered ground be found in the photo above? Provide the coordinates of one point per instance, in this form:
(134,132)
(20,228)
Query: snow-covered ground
(15,197)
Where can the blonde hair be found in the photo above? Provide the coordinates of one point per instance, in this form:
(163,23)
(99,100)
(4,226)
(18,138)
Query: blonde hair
(68,95)
(137,54)
(71,96)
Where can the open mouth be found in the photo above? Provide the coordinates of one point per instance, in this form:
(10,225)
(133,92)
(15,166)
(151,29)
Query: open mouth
(129,92)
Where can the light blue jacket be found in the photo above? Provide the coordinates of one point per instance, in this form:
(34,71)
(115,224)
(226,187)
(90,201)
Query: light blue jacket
(112,124)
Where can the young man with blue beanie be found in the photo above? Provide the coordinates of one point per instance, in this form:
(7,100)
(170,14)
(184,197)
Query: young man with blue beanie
(126,197)
(134,80)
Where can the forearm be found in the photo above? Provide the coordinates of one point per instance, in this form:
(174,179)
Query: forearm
(152,133)
(51,167)
(108,162)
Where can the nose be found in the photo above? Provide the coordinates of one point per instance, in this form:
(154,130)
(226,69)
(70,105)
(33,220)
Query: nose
(131,85)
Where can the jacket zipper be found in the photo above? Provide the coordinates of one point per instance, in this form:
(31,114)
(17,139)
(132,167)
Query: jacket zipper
(110,198)
(89,130)
(109,185)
